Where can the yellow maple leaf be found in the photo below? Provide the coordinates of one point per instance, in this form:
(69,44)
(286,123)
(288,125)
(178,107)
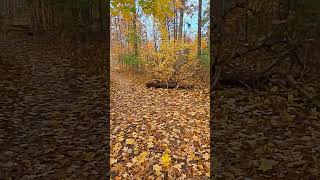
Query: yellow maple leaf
(142,157)
(165,160)
(129,141)
(144,154)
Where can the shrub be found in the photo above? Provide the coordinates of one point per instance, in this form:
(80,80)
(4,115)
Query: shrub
(174,59)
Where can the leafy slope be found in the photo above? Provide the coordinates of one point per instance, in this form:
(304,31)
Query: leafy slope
(157,132)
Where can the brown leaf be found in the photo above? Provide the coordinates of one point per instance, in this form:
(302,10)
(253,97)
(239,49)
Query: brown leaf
(266,164)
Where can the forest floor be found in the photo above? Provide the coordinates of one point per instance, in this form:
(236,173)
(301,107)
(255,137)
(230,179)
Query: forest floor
(266,134)
(158,132)
(52,121)
(53,124)
(258,134)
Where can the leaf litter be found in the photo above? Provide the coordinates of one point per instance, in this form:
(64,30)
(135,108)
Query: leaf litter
(158,133)
(52,121)
(270,134)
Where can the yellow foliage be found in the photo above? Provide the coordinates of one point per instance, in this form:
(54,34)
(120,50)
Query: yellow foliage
(166,160)
(204,43)
(170,53)
(179,4)
(129,141)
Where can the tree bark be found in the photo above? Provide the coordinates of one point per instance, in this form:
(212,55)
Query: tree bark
(199,27)
(135,41)
(215,39)
(102,16)
(175,19)
(34,17)
(38,16)
(181,20)
(135,34)
(168,27)
(154,35)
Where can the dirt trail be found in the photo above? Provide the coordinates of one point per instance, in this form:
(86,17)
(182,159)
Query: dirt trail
(148,123)
(52,120)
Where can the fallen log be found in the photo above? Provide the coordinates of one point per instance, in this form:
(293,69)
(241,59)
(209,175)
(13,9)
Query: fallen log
(240,79)
(169,85)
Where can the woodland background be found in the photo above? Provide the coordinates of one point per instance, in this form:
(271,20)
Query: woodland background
(160,40)
(70,20)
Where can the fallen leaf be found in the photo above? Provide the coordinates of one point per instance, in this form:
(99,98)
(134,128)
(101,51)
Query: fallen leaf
(157,169)
(206,156)
(129,141)
(129,164)
(112,161)
(178,166)
(266,164)
(165,160)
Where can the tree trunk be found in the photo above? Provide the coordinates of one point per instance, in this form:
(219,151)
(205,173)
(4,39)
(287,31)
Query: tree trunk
(34,17)
(102,17)
(85,13)
(40,18)
(128,34)
(175,21)
(181,21)
(199,27)
(135,33)
(154,35)
(12,8)
(118,35)
(135,42)
(168,27)
(215,39)
(91,13)
(168,85)
(52,17)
